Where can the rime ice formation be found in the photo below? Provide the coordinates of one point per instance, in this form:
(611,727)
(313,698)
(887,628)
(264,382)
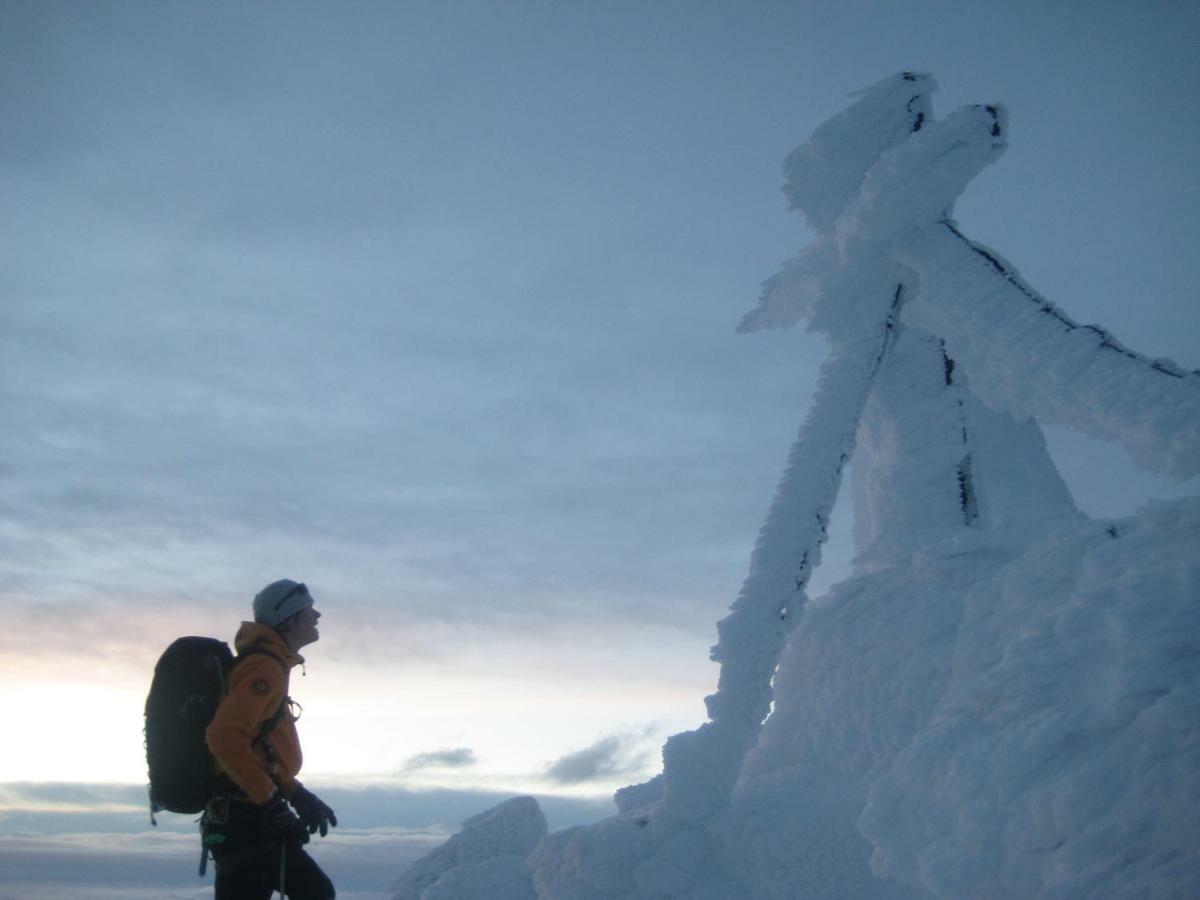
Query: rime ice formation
(1005,698)
(484,861)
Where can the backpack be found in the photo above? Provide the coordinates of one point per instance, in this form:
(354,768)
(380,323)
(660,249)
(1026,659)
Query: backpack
(190,680)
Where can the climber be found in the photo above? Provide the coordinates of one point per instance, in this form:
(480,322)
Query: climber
(257,826)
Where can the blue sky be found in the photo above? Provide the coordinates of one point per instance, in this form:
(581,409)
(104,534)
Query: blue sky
(432,306)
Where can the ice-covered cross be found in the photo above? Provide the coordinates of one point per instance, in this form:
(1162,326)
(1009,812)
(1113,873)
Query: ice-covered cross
(943,361)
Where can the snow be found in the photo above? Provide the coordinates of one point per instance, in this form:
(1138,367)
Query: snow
(1004,700)
(822,176)
(1069,719)
(1027,356)
(484,861)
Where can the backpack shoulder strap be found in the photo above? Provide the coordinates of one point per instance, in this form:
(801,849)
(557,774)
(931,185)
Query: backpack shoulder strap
(269,724)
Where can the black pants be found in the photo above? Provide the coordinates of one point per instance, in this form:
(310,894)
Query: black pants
(249,861)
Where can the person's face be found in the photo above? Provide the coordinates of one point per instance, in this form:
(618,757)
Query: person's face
(302,628)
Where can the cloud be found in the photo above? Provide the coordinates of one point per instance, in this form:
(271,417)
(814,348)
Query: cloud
(456,758)
(69,840)
(66,796)
(63,808)
(608,757)
(296,364)
(125,865)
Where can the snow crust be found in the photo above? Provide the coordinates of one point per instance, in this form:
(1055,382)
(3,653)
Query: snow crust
(1005,698)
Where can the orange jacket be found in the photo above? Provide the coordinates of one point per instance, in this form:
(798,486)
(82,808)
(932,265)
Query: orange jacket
(257,684)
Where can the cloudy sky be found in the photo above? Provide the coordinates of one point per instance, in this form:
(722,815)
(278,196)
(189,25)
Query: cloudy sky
(431,306)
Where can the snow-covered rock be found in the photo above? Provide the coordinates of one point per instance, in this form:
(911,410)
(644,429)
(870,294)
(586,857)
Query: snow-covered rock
(484,861)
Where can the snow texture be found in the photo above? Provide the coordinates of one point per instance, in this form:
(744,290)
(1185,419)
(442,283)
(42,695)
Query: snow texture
(484,861)
(1004,700)
(1027,356)
(1063,757)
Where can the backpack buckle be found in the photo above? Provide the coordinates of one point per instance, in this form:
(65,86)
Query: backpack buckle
(216,811)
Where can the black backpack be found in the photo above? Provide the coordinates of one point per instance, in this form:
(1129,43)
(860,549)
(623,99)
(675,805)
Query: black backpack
(190,680)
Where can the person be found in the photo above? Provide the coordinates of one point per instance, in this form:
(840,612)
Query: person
(257,827)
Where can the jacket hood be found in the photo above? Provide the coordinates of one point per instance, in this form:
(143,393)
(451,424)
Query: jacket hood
(264,637)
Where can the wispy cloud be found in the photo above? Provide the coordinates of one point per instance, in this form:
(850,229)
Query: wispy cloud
(452,386)
(456,758)
(609,757)
(64,796)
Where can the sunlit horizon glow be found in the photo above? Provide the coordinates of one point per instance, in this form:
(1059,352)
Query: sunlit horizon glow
(363,720)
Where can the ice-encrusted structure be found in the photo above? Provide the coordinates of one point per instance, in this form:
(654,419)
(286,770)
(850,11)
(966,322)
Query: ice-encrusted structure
(1004,699)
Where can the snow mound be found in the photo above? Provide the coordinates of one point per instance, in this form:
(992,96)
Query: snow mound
(983,724)
(484,861)
(1063,756)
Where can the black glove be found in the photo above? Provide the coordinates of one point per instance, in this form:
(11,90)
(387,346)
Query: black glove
(282,822)
(313,812)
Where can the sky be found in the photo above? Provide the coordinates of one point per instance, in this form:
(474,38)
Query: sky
(432,307)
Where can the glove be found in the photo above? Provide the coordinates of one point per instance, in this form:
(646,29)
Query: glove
(282,822)
(313,812)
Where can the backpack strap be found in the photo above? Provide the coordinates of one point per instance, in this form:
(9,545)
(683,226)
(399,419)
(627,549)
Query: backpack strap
(269,724)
